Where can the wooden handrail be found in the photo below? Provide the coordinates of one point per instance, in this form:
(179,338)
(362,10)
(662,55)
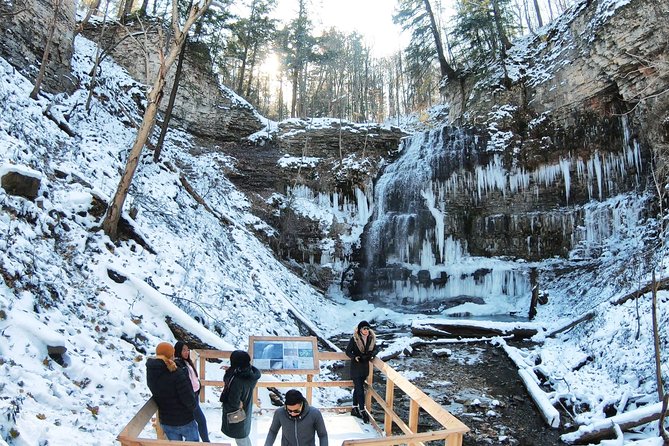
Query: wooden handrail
(129,435)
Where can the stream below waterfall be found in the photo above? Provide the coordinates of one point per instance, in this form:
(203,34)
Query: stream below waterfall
(478,384)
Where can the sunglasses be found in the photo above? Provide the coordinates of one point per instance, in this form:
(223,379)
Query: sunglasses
(295,411)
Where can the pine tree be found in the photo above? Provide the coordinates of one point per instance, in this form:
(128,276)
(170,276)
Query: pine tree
(426,44)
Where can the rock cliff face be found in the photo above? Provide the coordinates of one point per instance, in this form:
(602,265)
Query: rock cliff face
(542,164)
(202,107)
(598,55)
(24,29)
(551,162)
(311,180)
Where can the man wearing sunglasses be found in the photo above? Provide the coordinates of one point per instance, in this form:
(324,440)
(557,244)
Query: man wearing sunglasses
(299,423)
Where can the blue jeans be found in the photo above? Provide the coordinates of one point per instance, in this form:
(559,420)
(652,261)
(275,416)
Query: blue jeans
(201,420)
(246,441)
(187,432)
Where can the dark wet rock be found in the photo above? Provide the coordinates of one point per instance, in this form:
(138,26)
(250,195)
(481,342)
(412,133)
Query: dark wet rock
(21,185)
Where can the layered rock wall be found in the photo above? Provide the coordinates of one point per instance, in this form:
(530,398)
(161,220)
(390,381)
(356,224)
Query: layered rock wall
(552,162)
(24,31)
(202,106)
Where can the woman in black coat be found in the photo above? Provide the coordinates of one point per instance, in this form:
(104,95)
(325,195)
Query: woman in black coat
(182,359)
(240,379)
(361,349)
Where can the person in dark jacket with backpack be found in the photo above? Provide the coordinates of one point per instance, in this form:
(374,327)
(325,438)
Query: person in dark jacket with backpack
(182,360)
(240,379)
(361,349)
(173,393)
(299,423)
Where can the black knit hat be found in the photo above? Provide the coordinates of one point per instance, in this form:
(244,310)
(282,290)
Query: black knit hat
(362,325)
(239,359)
(294,397)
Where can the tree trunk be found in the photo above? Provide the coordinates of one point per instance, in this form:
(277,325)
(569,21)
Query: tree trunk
(110,223)
(252,66)
(293,100)
(47,52)
(656,344)
(501,34)
(605,429)
(535,293)
(92,9)
(242,72)
(98,59)
(538,11)
(127,10)
(170,103)
(446,70)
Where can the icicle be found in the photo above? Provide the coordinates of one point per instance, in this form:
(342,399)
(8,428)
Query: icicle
(438,215)
(565,164)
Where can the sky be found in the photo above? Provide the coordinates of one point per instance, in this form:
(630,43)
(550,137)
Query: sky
(64,284)
(371,18)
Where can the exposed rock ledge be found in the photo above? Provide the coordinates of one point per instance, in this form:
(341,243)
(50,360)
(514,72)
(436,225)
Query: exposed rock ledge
(202,107)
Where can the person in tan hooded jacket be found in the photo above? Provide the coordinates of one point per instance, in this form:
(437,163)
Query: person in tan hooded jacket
(171,389)
(361,349)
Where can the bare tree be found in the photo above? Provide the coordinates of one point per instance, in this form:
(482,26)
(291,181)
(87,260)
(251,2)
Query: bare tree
(537,9)
(110,223)
(92,9)
(98,59)
(47,52)
(170,104)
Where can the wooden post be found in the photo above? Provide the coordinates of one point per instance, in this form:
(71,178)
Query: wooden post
(202,363)
(390,399)
(368,395)
(454,440)
(160,434)
(310,390)
(413,416)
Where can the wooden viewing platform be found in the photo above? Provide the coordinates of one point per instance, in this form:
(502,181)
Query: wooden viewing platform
(451,432)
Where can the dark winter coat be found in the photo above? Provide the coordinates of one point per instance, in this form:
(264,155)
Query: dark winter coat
(300,430)
(240,389)
(361,353)
(172,391)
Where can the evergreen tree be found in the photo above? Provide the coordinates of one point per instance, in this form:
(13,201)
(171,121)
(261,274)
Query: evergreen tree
(249,37)
(482,29)
(426,44)
(296,43)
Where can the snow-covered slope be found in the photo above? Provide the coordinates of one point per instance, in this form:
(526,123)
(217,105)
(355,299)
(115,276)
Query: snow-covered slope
(197,264)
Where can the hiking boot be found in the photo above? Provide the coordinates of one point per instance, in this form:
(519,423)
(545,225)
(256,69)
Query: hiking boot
(364,415)
(356,412)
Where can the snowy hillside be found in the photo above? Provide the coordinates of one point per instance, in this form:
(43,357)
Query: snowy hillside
(56,264)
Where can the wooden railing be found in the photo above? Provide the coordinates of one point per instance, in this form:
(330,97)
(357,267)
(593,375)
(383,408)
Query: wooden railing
(451,432)
(130,434)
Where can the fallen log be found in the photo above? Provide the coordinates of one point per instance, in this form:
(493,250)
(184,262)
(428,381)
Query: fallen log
(549,413)
(586,317)
(662,284)
(473,329)
(606,428)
